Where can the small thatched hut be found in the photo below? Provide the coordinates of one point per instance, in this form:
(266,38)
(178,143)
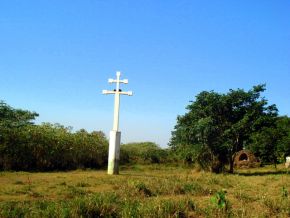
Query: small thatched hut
(246,159)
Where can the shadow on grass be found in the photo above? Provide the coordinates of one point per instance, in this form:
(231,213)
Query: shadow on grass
(273,172)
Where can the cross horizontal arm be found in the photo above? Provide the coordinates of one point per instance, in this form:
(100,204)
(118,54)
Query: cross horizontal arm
(130,93)
(125,81)
(106,92)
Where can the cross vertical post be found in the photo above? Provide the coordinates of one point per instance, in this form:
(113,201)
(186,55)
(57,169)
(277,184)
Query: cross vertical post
(117,104)
(115,134)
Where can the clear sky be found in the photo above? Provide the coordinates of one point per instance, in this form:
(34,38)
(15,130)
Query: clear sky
(57,55)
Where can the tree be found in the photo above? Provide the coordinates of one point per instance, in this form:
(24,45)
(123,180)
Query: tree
(216,125)
(12,123)
(25,146)
(10,117)
(283,125)
(272,144)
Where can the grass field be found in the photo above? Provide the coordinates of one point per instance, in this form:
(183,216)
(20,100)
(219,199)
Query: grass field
(146,191)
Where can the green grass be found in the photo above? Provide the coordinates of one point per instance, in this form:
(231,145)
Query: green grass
(146,191)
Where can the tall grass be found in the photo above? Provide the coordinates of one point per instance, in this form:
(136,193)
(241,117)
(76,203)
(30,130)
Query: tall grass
(147,192)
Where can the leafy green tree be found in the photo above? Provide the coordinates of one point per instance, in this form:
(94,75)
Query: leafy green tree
(25,146)
(272,144)
(216,125)
(10,117)
(12,123)
(283,125)
(264,144)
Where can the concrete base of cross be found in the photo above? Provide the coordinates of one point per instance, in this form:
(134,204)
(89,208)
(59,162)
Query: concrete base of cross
(114,152)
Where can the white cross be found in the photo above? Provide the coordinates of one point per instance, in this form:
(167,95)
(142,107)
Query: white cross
(117,93)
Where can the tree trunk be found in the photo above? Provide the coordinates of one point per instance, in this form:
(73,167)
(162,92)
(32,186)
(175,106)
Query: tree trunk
(233,154)
(232,158)
(231,165)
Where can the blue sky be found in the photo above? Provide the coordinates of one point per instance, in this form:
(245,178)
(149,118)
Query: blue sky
(57,55)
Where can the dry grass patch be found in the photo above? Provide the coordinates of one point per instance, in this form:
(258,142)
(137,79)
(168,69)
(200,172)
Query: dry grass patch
(146,191)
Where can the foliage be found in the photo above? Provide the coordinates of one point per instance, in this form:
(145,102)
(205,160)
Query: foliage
(283,125)
(142,152)
(264,144)
(52,147)
(218,125)
(25,146)
(284,192)
(10,117)
(219,199)
(272,144)
(46,147)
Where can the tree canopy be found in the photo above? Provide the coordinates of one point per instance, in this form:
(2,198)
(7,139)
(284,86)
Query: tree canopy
(218,125)
(46,146)
(25,146)
(272,144)
(10,117)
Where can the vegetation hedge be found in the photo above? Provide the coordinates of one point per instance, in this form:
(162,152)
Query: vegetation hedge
(25,146)
(142,153)
(208,135)
(49,147)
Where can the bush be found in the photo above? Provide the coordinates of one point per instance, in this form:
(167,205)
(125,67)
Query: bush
(49,147)
(142,152)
